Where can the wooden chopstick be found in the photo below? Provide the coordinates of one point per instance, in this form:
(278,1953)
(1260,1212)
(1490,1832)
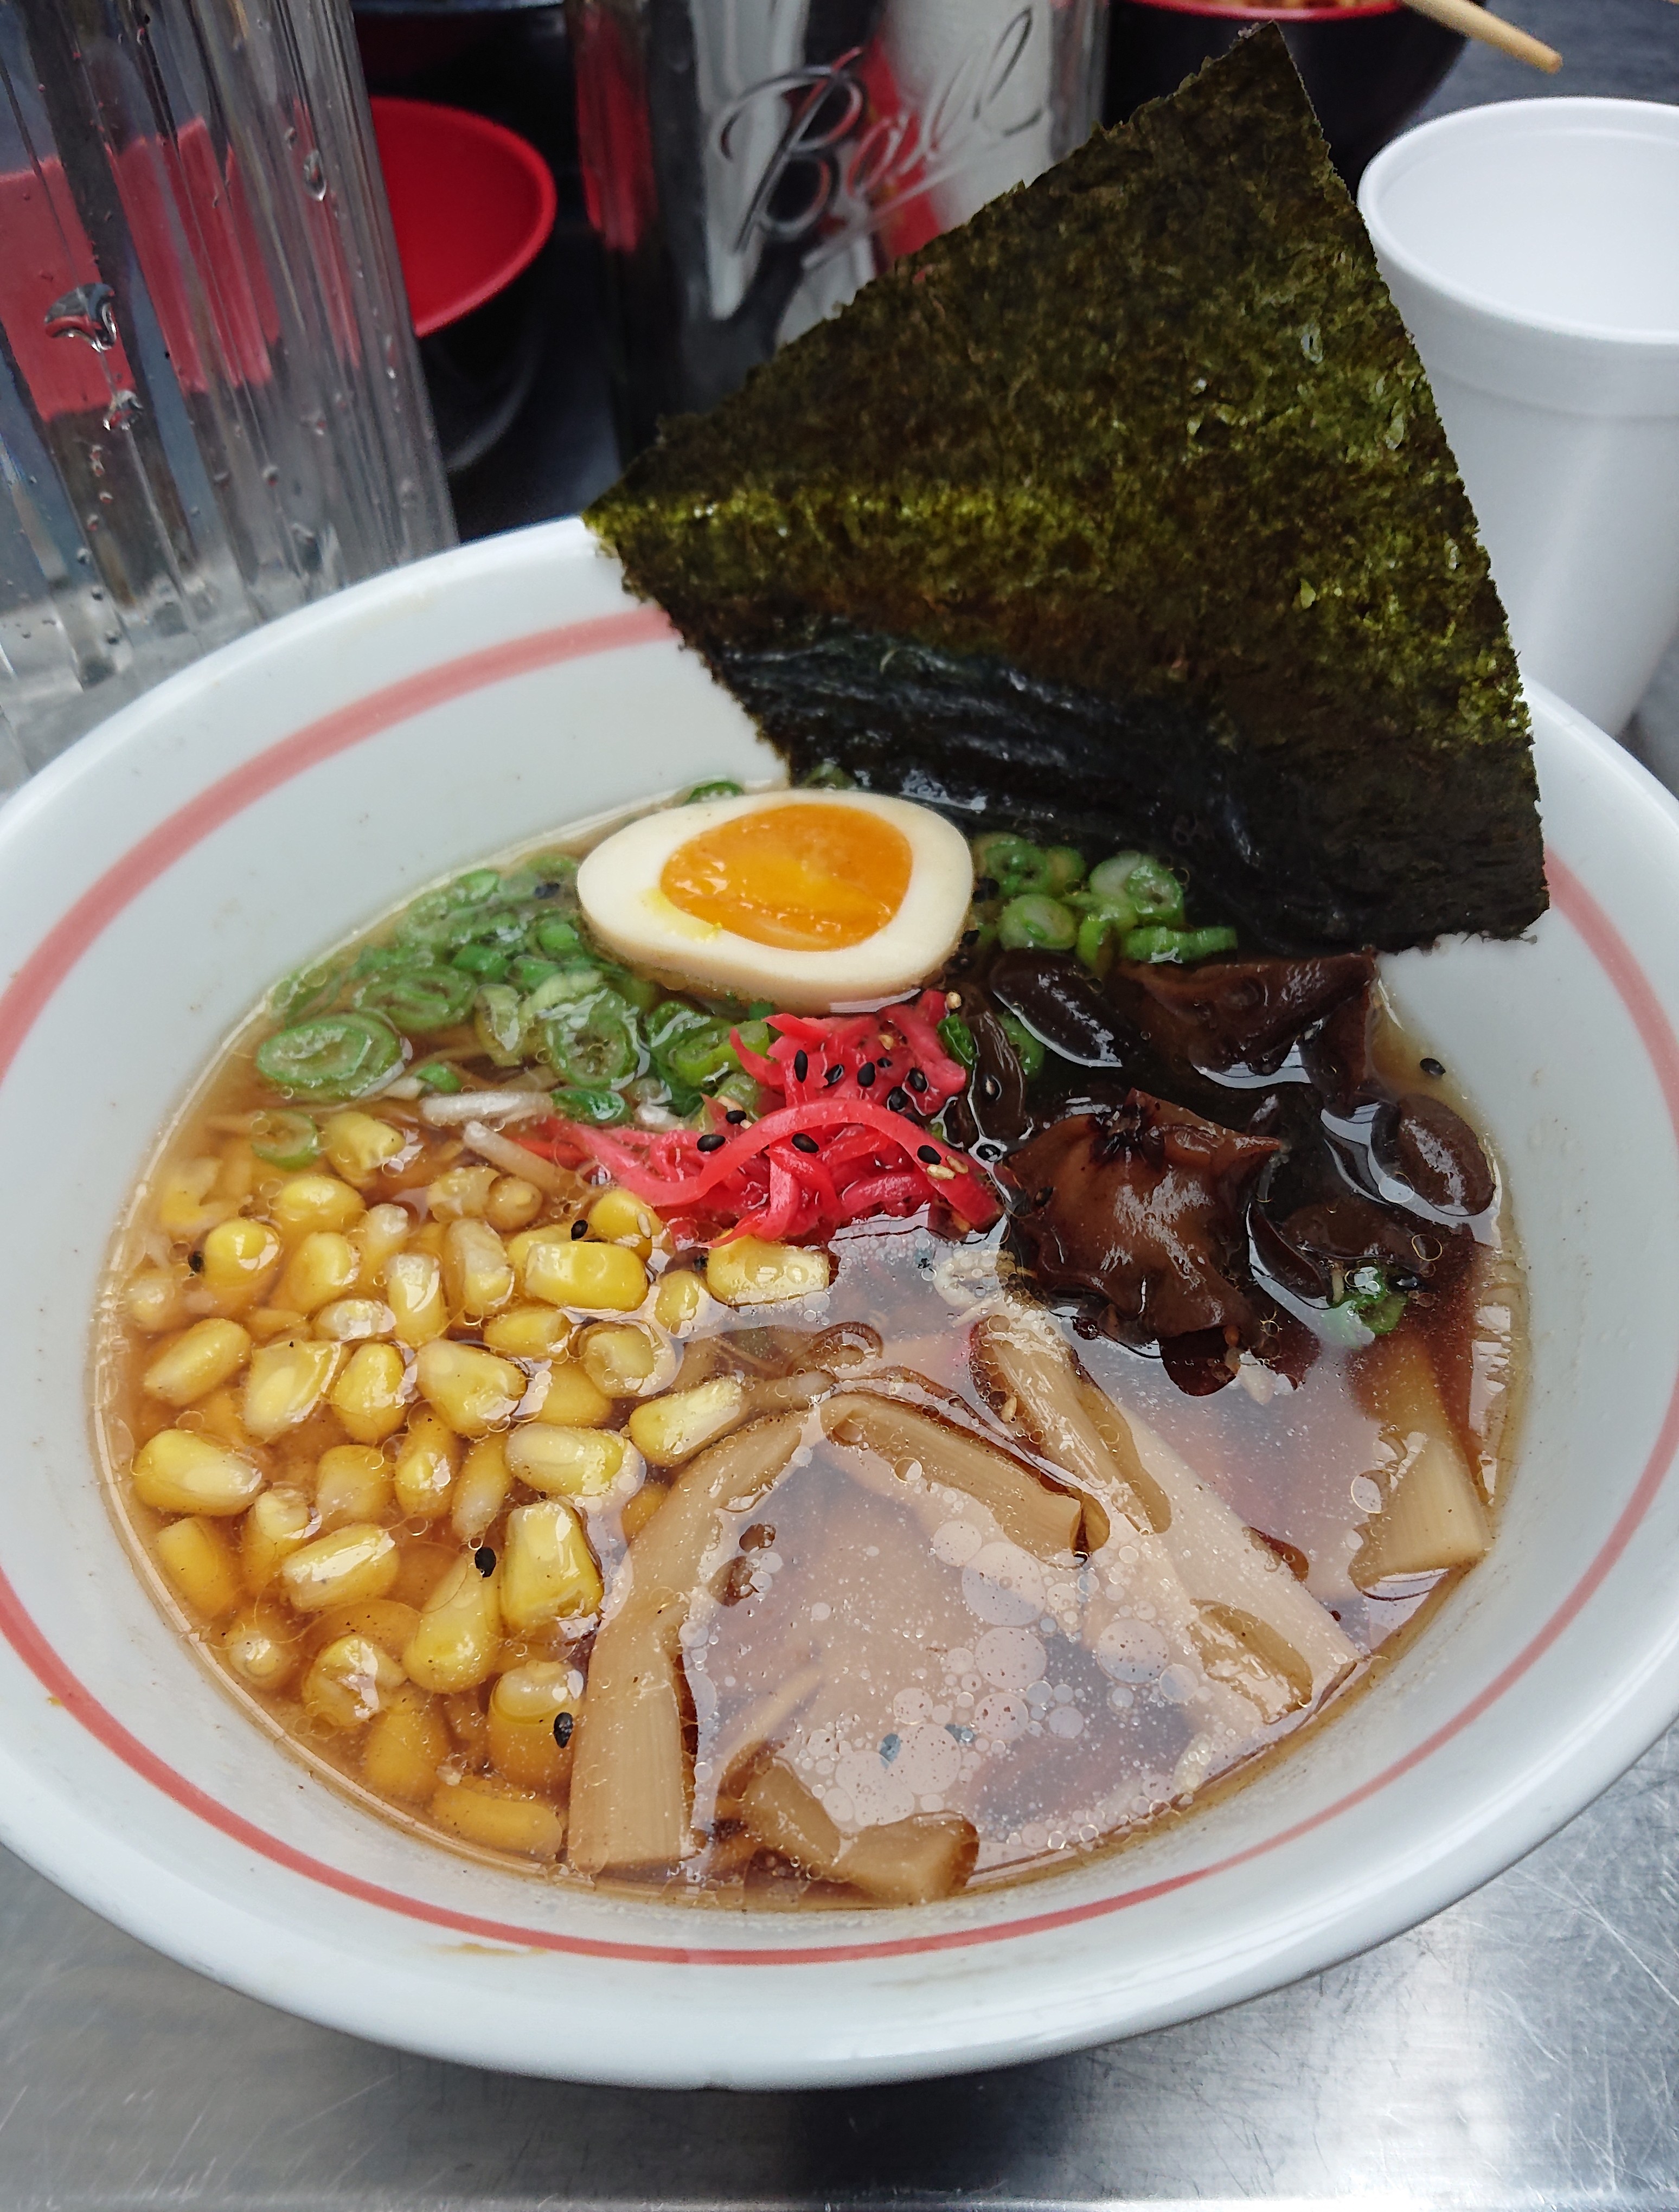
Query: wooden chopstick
(1492,30)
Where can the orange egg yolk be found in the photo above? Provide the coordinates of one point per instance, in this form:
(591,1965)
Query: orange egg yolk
(806,878)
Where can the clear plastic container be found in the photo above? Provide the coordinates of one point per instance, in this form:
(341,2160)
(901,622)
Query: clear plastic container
(210,404)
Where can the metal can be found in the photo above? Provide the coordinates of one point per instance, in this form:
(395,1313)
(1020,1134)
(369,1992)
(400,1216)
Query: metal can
(749,164)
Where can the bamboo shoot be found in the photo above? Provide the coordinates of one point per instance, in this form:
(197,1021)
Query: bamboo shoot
(1433,1516)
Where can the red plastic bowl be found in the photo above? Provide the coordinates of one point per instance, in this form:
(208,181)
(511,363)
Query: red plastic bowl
(471,203)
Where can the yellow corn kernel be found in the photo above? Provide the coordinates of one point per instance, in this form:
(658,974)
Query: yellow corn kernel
(240,1170)
(425,1468)
(279,1521)
(267,1322)
(599,1278)
(414,1292)
(498,1818)
(454,1646)
(178,1473)
(642,1508)
(386,1621)
(323,1267)
(406,1744)
(381,1231)
(571,1399)
(220,1417)
(428,1238)
(679,1300)
(200,1361)
(359,1144)
(750,1272)
(619,1217)
(359,1561)
(625,1359)
(670,1429)
(353,1321)
(478,1276)
(259,1650)
(352,1484)
(198,1560)
(349,1681)
(468,1388)
(524,1706)
(152,1300)
(513,1203)
(481,1489)
(185,1207)
(520,1248)
(369,1397)
(241,1258)
(569,1462)
(529,1332)
(548,1570)
(460,1192)
(286,1381)
(305,1203)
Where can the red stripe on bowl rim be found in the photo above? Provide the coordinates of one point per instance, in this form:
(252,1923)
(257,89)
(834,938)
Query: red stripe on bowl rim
(62,946)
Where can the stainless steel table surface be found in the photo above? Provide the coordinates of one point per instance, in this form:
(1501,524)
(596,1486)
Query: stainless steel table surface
(1520,2048)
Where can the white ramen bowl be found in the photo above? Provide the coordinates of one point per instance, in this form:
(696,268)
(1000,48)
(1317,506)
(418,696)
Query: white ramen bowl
(297,784)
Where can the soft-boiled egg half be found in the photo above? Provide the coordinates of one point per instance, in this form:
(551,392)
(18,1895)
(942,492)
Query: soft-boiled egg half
(815,899)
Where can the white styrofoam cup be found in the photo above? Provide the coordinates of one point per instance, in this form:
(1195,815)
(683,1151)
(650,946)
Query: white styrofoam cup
(1533,250)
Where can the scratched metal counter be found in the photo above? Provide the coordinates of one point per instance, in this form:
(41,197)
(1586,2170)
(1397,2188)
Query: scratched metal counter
(1520,2049)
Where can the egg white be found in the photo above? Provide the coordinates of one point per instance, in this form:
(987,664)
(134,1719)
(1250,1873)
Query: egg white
(618,887)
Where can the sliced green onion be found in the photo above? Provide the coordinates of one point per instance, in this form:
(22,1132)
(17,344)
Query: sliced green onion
(497,1017)
(1067,869)
(1014,864)
(438,1075)
(528,970)
(738,1089)
(1156,893)
(306,991)
(596,1110)
(957,1039)
(1370,1295)
(1156,944)
(1109,879)
(1103,925)
(331,1057)
(696,1057)
(481,961)
(568,985)
(418,999)
(285,1140)
(595,1043)
(1028,1049)
(1037,923)
(556,935)
(829,775)
(719,787)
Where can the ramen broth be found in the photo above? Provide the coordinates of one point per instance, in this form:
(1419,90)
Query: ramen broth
(868,1643)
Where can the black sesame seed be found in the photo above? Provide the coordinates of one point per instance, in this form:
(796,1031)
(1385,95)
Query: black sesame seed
(970,937)
(713,1142)
(804,1143)
(866,1075)
(484,1559)
(801,1064)
(990,1088)
(1430,1066)
(834,1075)
(915,1079)
(929,1153)
(580,1227)
(1404,1278)
(736,1115)
(899,1099)
(564,1724)
(1045,1194)
(195,1260)
(885,1060)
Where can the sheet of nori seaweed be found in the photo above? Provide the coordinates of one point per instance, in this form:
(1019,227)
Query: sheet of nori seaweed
(1125,509)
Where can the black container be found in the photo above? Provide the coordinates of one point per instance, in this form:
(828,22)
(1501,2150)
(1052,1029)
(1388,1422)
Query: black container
(1368,70)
